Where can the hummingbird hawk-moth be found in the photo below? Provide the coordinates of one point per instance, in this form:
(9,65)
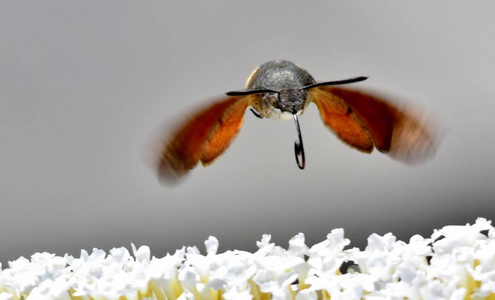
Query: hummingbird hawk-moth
(280,89)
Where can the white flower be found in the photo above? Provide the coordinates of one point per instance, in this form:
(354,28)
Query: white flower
(457,262)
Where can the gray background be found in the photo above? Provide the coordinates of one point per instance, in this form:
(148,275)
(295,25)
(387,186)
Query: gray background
(85,85)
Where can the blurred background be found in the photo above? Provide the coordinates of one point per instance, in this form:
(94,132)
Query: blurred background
(86,85)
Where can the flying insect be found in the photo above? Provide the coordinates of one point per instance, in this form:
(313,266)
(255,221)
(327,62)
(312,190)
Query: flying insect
(280,89)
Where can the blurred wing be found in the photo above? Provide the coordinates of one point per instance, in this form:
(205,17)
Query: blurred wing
(203,137)
(337,115)
(225,130)
(404,134)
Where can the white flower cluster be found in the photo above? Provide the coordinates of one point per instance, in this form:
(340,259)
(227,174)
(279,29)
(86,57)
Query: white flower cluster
(457,262)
